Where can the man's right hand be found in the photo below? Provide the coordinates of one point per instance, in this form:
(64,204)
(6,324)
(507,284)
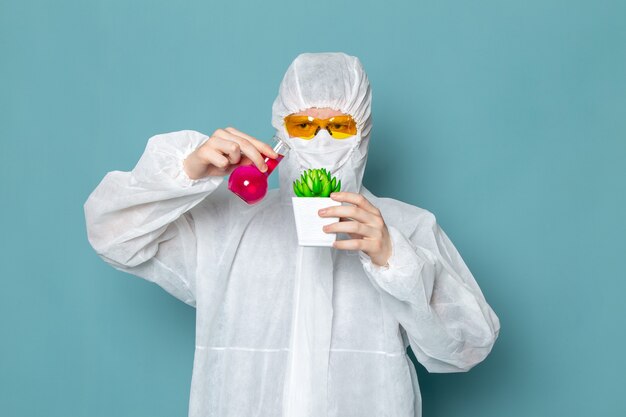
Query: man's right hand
(225,150)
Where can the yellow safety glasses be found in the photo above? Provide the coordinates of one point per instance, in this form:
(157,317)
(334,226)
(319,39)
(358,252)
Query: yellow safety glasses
(306,127)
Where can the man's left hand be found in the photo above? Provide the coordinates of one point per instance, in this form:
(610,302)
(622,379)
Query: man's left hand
(363,222)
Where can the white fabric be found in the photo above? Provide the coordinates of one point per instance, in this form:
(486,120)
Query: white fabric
(305,390)
(263,303)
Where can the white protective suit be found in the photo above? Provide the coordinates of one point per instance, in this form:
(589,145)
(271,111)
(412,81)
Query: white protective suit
(284,330)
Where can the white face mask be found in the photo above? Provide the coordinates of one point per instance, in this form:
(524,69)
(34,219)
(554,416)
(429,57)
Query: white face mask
(323,151)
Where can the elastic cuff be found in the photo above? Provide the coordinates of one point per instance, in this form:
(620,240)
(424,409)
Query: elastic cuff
(367,261)
(181,175)
(401,277)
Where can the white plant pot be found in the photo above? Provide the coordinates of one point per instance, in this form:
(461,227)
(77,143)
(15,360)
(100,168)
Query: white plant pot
(309,224)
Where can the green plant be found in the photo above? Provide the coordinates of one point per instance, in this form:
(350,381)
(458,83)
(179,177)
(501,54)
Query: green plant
(316,183)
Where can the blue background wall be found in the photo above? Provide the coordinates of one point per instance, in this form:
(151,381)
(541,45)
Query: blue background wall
(505,119)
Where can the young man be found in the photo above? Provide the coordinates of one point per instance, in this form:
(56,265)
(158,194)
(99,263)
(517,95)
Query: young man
(286,330)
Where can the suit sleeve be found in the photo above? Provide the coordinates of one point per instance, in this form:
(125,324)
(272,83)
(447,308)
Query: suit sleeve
(140,221)
(433,295)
